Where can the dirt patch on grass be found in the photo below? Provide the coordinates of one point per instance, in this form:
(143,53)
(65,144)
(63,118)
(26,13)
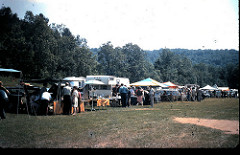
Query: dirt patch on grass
(141,109)
(228,126)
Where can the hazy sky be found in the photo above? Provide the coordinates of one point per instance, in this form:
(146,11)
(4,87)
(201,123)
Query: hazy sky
(151,24)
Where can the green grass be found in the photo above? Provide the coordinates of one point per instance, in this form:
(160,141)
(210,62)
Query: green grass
(124,127)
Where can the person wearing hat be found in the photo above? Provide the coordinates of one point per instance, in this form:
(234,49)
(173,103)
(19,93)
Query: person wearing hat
(66,93)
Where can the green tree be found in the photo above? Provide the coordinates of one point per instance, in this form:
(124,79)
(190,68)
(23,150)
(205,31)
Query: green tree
(166,65)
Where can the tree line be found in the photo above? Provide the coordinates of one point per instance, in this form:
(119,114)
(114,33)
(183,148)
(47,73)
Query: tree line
(43,50)
(217,57)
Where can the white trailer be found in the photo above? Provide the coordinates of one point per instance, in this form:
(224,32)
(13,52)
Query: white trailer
(76,81)
(105,83)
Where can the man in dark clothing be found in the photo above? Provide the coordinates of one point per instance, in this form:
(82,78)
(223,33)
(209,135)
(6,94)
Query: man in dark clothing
(128,97)
(66,92)
(123,91)
(114,90)
(199,95)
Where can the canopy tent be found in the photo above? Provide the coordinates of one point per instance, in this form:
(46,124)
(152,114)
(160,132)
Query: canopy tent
(207,87)
(224,88)
(94,82)
(170,84)
(148,82)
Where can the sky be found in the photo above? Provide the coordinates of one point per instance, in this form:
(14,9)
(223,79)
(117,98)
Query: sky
(151,24)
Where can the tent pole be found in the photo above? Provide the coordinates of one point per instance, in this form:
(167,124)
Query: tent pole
(19,90)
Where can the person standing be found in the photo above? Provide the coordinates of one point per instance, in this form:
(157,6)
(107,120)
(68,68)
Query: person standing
(188,94)
(80,108)
(128,97)
(132,94)
(193,94)
(114,90)
(3,100)
(199,95)
(139,93)
(151,94)
(66,92)
(123,90)
(75,97)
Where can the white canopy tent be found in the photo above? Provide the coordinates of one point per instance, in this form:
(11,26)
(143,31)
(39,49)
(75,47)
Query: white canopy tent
(207,87)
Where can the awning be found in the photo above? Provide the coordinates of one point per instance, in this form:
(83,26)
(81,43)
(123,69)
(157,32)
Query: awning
(94,82)
(9,70)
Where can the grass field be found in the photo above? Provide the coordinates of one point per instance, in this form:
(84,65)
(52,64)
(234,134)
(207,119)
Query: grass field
(134,127)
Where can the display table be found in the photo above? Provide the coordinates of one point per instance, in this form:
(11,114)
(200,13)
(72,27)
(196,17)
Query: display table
(82,108)
(103,102)
(57,107)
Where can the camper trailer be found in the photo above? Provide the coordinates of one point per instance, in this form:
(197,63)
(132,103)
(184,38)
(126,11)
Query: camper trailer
(75,81)
(103,84)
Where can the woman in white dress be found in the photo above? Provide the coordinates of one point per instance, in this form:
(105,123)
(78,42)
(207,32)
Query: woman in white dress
(75,100)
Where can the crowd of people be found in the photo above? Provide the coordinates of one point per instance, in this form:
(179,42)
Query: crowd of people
(148,95)
(38,102)
(71,97)
(133,95)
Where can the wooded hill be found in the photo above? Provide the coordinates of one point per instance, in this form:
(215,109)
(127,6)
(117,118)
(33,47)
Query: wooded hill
(43,50)
(207,56)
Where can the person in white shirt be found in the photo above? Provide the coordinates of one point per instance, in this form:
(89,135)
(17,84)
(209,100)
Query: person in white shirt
(75,97)
(66,93)
(45,99)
